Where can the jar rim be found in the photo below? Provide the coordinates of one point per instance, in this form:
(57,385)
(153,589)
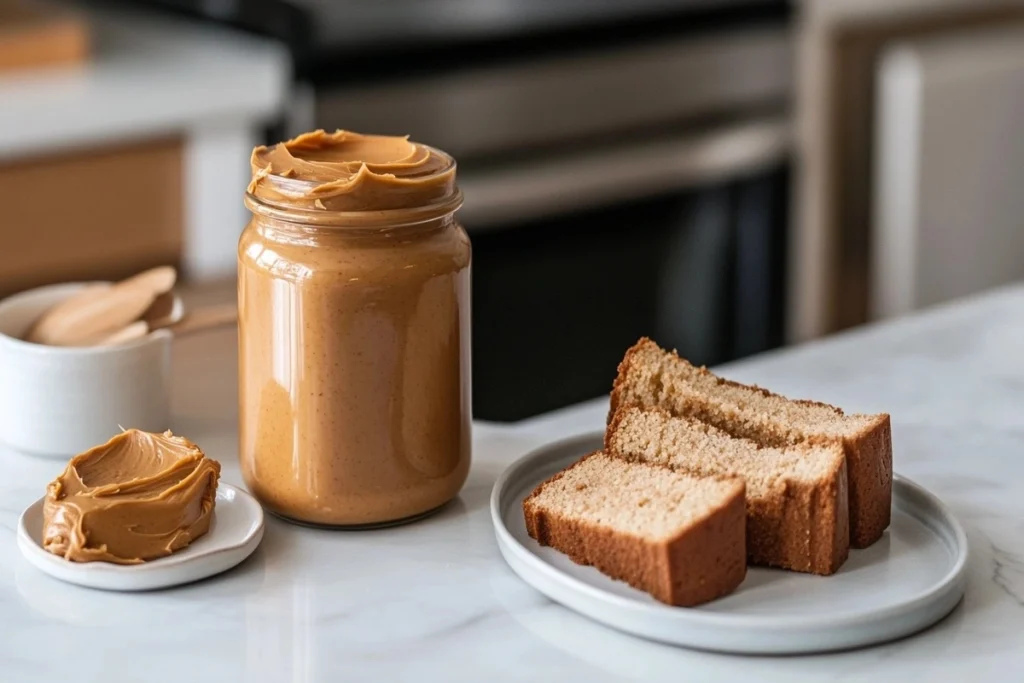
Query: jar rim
(355,219)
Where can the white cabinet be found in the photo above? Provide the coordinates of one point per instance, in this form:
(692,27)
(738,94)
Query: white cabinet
(948,180)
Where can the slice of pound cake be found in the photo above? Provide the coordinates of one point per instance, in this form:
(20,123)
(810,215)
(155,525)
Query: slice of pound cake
(677,537)
(797,510)
(650,377)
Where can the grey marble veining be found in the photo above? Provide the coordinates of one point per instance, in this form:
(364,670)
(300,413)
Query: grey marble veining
(434,601)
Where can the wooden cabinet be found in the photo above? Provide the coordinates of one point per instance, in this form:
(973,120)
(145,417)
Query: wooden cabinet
(91,214)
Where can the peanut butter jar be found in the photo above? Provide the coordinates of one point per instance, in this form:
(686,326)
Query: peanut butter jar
(354,323)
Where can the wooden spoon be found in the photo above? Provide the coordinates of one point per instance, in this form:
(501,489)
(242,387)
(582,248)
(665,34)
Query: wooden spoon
(136,330)
(200,320)
(203,319)
(95,317)
(161,311)
(158,280)
(49,325)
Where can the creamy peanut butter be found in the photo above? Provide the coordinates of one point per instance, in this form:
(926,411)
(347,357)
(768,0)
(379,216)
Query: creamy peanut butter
(137,497)
(346,171)
(353,330)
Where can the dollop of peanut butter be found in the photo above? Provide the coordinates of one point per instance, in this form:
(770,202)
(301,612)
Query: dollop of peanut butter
(137,497)
(346,171)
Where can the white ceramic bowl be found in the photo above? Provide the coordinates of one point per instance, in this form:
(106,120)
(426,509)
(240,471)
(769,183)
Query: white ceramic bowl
(59,401)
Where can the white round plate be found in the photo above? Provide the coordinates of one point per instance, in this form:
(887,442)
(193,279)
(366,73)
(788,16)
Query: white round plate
(908,580)
(236,530)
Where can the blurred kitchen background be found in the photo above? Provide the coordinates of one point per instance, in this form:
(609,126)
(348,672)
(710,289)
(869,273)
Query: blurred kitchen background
(725,176)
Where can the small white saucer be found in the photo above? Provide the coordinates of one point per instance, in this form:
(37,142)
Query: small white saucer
(236,530)
(904,583)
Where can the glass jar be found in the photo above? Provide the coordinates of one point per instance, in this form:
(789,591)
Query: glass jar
(354,349)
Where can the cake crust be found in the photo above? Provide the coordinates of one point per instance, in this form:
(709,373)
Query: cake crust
(866,441)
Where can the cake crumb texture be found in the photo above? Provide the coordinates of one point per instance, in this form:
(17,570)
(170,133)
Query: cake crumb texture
(650,377)
(680,538)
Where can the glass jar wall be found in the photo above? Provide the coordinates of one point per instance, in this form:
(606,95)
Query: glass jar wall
(354,304)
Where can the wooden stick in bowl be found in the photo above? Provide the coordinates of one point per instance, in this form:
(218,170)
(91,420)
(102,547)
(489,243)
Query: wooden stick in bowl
(200,320)
(100,310)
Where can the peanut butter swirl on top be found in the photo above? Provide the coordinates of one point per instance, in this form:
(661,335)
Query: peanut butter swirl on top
(346,171)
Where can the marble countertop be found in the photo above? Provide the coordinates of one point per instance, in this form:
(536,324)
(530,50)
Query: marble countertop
(434,601)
